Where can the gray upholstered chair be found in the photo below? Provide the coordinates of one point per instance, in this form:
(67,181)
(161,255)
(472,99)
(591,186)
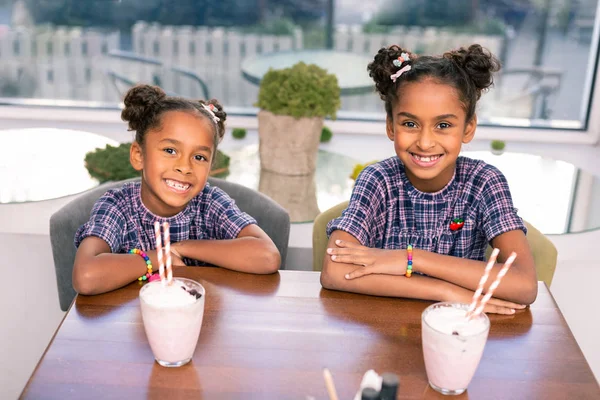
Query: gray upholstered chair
(271,217)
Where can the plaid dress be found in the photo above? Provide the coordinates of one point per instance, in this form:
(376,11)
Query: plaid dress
(386,211)
(120,218)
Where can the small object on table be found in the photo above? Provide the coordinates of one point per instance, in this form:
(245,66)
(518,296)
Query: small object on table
(370,380)
(330,385)
(370,394)
(389,386)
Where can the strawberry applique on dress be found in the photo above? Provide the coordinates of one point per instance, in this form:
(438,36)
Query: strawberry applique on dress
(457,224)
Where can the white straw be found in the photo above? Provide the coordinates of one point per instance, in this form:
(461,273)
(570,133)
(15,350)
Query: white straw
(168,252)
(483,280)
(161,265)
(495,284)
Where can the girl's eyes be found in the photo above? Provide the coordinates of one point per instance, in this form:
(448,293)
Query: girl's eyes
(197,157)
(441,125)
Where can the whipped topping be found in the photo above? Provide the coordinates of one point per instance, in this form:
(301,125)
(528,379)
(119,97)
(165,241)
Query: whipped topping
(453,321)
(174,295)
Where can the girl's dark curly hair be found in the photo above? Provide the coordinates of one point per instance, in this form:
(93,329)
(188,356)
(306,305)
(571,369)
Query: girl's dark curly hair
(145,105)
(470,71)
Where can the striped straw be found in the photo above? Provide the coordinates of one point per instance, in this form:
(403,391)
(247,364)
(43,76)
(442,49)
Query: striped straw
(494,285)
(483,280)
(161,265)
(168,252)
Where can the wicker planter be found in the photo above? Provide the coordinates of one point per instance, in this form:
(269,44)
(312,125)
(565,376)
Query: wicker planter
(297,194)
(288,145)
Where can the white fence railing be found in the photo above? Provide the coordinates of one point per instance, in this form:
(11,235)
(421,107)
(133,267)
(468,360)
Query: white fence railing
(71,63)
(56,63)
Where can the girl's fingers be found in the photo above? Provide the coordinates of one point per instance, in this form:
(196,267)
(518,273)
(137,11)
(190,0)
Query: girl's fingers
(344,251)
(351,245)
(506,304)
(357,273)
(494,309)
(349,259)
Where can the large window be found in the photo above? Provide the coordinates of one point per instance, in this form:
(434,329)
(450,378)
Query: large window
(91,51)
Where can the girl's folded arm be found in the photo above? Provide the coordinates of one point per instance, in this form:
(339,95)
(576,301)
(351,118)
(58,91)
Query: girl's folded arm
(252,251)
(519,285)
(97,270)
(417,287)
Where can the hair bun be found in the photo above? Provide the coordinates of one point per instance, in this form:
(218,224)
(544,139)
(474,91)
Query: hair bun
(479,64)
(138,101)
(382,67)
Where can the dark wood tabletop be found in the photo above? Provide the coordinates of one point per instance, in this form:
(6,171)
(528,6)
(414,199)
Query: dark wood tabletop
(269,337)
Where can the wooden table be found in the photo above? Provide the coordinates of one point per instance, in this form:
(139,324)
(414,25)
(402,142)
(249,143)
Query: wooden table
(269,337)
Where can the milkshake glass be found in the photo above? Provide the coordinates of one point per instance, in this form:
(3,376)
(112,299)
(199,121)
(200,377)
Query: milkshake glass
(452,346)
(172,316)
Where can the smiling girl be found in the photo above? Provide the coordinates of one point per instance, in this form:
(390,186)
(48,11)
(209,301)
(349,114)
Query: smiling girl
(428,205)
(175,144)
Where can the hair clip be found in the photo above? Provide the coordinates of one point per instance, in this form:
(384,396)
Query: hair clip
(211,110)
(403,58)
(400,72)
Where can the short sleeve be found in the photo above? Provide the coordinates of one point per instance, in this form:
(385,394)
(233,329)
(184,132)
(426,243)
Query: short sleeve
(499,214)
(365,214)
(106,222)
(224,218)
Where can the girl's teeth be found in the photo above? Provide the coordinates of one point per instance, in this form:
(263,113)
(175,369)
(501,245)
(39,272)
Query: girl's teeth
(426,159)
(177,185)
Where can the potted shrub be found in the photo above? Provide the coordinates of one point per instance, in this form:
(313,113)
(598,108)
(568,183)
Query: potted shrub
(498,147)
(294,102)
(112,164)
(238,133)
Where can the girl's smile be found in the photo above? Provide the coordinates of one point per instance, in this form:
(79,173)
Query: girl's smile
(178,187)
(425,161)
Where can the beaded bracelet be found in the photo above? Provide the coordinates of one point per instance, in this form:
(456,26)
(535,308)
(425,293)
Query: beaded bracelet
(409,250)
(148,263)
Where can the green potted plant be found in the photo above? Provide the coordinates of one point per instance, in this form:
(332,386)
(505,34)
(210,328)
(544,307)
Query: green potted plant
(326,134)
(238,133)
(498,147)
(112,164)
(294,103)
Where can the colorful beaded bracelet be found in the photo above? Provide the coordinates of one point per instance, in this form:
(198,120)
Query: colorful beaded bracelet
(148,263)
(409,250)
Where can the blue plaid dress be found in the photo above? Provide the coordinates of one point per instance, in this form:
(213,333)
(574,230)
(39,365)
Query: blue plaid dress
(120,218)
(386,211)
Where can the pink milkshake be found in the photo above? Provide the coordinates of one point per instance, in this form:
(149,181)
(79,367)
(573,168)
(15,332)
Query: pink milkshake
(452,346)
(172,316)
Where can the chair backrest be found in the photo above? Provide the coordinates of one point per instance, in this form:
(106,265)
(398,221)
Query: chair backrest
(269,215)
(543,250)
(320,238)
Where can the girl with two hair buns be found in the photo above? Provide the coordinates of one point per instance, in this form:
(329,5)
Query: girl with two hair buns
(418,224)
(175,143)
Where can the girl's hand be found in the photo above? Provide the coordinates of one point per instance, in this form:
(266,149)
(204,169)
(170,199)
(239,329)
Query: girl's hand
(494,306)
(372,261)
(176,258)
(176,261)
